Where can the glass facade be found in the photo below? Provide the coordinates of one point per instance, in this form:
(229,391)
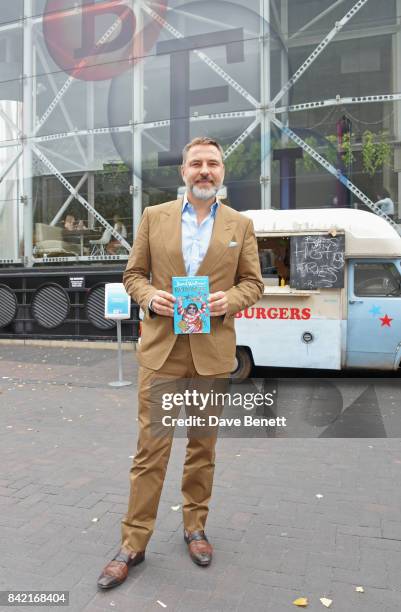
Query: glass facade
(98,98)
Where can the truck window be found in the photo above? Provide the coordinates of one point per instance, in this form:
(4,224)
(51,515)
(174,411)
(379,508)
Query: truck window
(377,279)
(274,257)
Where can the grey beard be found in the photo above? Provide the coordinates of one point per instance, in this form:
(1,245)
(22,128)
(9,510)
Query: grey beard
(204,194)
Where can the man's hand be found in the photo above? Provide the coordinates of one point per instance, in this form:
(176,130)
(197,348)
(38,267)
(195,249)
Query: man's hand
(218,304)
(162,303)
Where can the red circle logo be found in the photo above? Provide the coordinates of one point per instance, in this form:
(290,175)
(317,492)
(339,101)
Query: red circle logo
(98,40)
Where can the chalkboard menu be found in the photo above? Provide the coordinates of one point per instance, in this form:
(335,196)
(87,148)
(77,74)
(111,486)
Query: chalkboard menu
(317,262)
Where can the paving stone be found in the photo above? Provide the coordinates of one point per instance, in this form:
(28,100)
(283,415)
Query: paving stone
(364,532)
(273,539)
(25,491)
(363,578)
(391,530)
(11,521)
(223,604)
(81,595)
(113,600)
(144,583)
(334,559)
(90,500)
(7,501)
(6,491)
(258,560)
(276,579)
(116,499)
(273,598)
(233,580)
(31,500)
(380,544)
(169,594)
(89,547)
(293,562)
(193,601)
(372,600)
(20,483)
(226,534)
(317,578)
(50,489)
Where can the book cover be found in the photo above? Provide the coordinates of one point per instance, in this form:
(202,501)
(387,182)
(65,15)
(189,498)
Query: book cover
(191,310)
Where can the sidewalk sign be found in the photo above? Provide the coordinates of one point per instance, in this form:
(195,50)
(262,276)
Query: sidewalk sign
(117,306)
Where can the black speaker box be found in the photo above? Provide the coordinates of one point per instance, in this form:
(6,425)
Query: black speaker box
(60,303)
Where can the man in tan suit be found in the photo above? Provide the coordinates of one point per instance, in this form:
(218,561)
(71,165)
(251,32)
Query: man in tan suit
(196,235)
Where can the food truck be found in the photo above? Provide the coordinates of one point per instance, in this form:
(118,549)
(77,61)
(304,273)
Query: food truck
(332,295)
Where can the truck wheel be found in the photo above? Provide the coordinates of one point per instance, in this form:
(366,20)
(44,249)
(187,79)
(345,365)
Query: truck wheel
(243,366)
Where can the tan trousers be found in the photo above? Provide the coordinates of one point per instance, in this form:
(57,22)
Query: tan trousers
(150,463)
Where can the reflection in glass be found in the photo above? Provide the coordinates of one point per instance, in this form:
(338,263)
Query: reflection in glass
(10,174)
(114,129)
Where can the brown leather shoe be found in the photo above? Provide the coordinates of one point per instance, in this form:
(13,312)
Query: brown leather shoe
(116,571)
(199,548)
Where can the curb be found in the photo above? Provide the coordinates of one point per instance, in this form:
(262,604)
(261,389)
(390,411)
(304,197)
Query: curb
(72,344)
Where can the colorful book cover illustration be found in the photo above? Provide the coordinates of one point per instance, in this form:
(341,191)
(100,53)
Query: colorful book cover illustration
(191,310)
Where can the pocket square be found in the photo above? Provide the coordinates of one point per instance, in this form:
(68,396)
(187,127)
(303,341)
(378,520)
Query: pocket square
(233,244)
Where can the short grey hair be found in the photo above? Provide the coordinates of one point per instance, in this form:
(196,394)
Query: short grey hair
(201,140)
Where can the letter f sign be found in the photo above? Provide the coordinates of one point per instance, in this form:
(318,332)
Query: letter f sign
(181,96)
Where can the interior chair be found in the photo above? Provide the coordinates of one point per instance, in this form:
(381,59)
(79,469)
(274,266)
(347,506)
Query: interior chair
(98,246)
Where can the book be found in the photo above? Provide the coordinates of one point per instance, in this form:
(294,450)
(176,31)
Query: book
(191,309)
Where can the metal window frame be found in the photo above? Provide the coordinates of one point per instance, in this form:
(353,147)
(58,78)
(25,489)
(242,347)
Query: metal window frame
(265,113)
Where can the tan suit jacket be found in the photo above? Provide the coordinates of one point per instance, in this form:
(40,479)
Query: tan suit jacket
(157,256)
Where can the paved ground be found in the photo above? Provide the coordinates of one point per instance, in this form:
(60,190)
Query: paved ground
(66,445)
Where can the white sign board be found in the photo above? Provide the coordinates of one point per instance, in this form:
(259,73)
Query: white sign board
(117,302)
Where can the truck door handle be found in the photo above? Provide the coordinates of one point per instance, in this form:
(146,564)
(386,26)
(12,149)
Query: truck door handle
(355,301)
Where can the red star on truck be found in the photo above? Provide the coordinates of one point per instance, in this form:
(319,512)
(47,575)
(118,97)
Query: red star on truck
(386,321)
